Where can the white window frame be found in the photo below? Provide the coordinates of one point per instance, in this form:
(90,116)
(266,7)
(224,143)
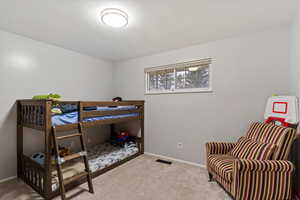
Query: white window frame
(207,61)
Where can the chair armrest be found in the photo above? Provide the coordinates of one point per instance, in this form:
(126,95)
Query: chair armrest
(262,179)
(218,147)
(263,165)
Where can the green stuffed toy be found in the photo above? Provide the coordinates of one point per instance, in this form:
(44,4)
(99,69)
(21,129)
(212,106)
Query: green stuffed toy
(54,97)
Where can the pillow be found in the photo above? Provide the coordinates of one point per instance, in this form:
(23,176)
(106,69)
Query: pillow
(249,149)
(67,108)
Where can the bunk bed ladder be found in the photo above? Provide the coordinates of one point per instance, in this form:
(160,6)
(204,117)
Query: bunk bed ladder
(61,160)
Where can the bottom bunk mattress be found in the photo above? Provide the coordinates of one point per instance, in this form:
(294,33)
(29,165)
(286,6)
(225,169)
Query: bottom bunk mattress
(100,156)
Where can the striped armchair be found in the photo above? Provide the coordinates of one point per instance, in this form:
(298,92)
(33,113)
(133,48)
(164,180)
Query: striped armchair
(256,167)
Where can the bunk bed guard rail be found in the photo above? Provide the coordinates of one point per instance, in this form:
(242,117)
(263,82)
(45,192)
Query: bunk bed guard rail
(37,113)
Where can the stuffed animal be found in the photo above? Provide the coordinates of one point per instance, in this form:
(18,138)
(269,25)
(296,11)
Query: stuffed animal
(54,97)
(63,151)
(122,136)
(117,99)
(56,111)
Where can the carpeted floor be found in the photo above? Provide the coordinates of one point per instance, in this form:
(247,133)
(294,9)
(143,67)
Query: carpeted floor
(139,179)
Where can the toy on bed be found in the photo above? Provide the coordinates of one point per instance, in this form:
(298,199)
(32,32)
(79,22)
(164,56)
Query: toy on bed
(116,99)
(120,138)
(283,111)
(54,97)
(40,157)
(64,151)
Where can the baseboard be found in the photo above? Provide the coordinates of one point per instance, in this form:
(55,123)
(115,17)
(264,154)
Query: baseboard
(8,179)
(176,160)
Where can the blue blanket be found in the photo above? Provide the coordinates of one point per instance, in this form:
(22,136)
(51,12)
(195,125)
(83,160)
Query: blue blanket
(72,117)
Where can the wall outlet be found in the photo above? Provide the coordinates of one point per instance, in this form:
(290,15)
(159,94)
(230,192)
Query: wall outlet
(179,145)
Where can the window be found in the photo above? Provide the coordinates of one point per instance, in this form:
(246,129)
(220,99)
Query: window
(194,76)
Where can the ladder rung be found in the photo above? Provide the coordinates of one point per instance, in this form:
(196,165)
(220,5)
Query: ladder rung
(61,160)
(73,156)
(76,177)
(68,136)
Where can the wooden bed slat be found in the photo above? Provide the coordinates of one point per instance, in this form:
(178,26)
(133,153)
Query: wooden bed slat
(76,178)
(109,121)
(33,126)
(67,127)
(110,103)
(68,136)
(98,113)
(72,156)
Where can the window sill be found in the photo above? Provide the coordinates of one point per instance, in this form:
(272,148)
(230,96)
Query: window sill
(180,91)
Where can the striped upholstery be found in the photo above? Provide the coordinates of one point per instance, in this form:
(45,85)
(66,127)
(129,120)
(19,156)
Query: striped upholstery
(225,184)
(262,180)
(269,133)
(213,148)
(250,149)
(251,179)
(218,147)
(221,165)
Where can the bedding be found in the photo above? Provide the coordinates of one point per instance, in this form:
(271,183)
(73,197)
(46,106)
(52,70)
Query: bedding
(72,117)
(67,108)
(100,156)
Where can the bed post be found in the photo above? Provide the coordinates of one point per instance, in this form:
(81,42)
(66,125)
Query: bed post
(80,109)
(19,140)
(47,164)
(142,130)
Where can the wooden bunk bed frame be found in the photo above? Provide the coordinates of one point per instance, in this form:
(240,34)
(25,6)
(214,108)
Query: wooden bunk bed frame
(36,114)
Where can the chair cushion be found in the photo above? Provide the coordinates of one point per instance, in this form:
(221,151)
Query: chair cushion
(222,165)
(249,149)
(282,137)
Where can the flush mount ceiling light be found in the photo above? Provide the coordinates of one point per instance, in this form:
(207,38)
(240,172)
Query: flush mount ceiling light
(114,17)
(193,69)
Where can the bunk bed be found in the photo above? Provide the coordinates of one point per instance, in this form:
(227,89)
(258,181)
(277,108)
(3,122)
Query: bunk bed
(36,114)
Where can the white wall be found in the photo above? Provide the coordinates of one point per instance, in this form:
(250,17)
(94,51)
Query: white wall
(246,70)
(295,89)
(295,56)
(27,68)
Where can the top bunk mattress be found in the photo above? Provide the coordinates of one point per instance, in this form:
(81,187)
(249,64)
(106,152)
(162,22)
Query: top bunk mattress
(72,117)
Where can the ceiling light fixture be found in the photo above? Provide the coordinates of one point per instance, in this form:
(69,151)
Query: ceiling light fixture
(114,17)
(193,69)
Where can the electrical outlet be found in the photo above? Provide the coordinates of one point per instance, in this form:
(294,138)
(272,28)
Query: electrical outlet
(179,145)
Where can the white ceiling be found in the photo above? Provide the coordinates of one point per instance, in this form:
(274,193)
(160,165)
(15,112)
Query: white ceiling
(154,26)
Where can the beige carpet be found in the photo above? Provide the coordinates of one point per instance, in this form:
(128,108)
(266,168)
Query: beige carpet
(139,179)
